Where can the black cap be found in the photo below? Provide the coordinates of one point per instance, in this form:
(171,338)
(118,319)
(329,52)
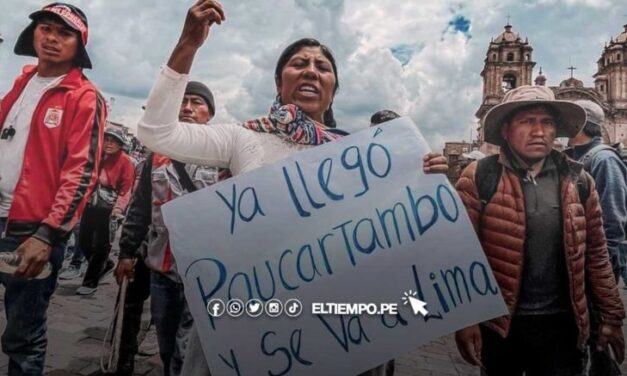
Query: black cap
(70,15)
(200,89)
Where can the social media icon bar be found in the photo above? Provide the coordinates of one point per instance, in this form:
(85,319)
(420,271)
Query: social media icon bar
(215,307)
(254,307)
(274,307)
(235,307)
(293,307)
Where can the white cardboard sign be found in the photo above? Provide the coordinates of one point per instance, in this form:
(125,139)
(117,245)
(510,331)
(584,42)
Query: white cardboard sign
(352,221)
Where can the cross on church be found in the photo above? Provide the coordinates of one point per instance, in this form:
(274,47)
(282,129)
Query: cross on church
(508,17)
(571,69)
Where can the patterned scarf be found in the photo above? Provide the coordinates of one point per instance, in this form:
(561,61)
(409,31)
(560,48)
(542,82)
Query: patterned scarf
(289,122)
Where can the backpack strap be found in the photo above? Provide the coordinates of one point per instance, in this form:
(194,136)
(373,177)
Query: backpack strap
(583,185)
(186,181)
(148,161)
(583,188)
(622,152)
(487,176)
(586,159)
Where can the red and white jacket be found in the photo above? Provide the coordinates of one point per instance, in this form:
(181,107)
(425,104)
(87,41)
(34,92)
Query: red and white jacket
(117,173)
(159,183)
(61,158)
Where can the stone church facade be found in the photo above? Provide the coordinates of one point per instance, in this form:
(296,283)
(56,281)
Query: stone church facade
(509,64)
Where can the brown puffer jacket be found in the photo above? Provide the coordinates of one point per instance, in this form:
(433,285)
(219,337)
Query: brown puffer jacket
(503,241)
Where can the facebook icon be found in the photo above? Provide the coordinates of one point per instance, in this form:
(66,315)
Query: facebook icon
(215,307)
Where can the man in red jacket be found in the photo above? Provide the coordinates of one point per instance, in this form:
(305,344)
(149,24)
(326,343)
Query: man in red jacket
(51,129)
(109,202)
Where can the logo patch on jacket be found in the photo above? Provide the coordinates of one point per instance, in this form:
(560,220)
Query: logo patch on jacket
(53,117)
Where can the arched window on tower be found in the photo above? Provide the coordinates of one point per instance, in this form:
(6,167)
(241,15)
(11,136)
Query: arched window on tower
(509,82)
(510,56)
(618,57)
(493,57)
(526,57)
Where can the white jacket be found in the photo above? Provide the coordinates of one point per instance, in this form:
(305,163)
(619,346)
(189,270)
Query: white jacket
(226,145)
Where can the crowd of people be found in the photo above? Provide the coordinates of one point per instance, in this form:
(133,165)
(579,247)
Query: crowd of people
(552,224)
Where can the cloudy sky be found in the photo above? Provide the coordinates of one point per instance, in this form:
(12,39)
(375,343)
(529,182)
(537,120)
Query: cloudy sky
(421,58)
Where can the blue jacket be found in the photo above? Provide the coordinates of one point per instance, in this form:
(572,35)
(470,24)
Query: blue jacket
(610,176)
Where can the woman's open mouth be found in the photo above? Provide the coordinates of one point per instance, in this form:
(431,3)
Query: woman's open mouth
(308,90)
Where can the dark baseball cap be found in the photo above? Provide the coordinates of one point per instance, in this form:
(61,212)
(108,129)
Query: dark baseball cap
(71,16)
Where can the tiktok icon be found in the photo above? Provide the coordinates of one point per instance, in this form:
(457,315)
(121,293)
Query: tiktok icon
(293,307)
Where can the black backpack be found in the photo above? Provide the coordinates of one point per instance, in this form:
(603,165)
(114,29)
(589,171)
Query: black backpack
(488,175)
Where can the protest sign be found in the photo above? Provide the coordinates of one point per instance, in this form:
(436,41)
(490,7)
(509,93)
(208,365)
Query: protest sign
(352,221)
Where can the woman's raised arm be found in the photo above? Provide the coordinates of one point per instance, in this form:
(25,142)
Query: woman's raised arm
(200,17)
(228,146)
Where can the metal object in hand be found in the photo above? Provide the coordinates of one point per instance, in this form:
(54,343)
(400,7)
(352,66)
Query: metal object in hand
(10,261)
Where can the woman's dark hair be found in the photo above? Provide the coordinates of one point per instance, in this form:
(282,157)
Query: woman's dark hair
(382,117)
(291,50)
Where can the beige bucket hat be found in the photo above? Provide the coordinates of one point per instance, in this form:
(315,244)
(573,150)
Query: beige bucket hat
(572,117)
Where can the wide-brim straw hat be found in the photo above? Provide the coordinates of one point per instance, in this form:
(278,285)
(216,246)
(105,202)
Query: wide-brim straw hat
(571,116)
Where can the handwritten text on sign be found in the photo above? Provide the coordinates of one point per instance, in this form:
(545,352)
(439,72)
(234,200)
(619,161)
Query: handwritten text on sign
(354,220)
